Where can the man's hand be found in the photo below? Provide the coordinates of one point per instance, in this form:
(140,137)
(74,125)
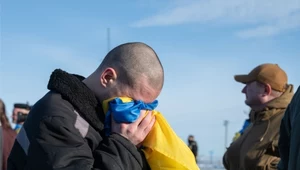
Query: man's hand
(15,114)
(137,131)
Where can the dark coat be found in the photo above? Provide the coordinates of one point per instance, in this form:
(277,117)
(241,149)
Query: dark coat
(64,131)
(289,140)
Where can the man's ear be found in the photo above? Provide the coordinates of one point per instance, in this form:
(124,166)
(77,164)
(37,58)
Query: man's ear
(268,89)
(108,77)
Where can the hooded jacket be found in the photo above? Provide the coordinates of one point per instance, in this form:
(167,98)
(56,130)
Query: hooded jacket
(257,148)
(64,131)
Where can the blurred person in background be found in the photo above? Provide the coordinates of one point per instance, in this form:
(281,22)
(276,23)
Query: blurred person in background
(193,145)
(268,95)
(19,115)
(8,135)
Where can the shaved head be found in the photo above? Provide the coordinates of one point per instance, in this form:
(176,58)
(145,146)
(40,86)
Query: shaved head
(135,62)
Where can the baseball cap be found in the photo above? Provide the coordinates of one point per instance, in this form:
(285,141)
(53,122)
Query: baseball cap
(270,74)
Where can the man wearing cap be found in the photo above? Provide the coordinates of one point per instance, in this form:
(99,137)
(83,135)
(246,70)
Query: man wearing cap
(268,95)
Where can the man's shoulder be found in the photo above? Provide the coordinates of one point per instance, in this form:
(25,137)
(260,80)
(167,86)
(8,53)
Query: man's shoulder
(52,107)
(52,104)
(53,97)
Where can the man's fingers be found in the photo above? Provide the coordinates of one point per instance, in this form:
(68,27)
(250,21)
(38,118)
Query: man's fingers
(137,131)
(148,129)
(146,121)
(140,118)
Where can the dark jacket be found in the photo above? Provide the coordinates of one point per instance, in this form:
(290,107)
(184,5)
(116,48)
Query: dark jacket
(7,140)
(64,131)
(289,141)
(194,147)
(257,148)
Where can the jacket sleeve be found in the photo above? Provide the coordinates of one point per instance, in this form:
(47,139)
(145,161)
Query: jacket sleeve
(118,153)
(225,163)
(270,160)
(268,163)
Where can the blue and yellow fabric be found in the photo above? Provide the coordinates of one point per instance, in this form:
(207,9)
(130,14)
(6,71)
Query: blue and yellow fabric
(163,149)
(17,128)
(239,133)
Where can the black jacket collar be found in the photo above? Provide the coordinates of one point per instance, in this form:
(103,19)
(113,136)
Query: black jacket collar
(71,87)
